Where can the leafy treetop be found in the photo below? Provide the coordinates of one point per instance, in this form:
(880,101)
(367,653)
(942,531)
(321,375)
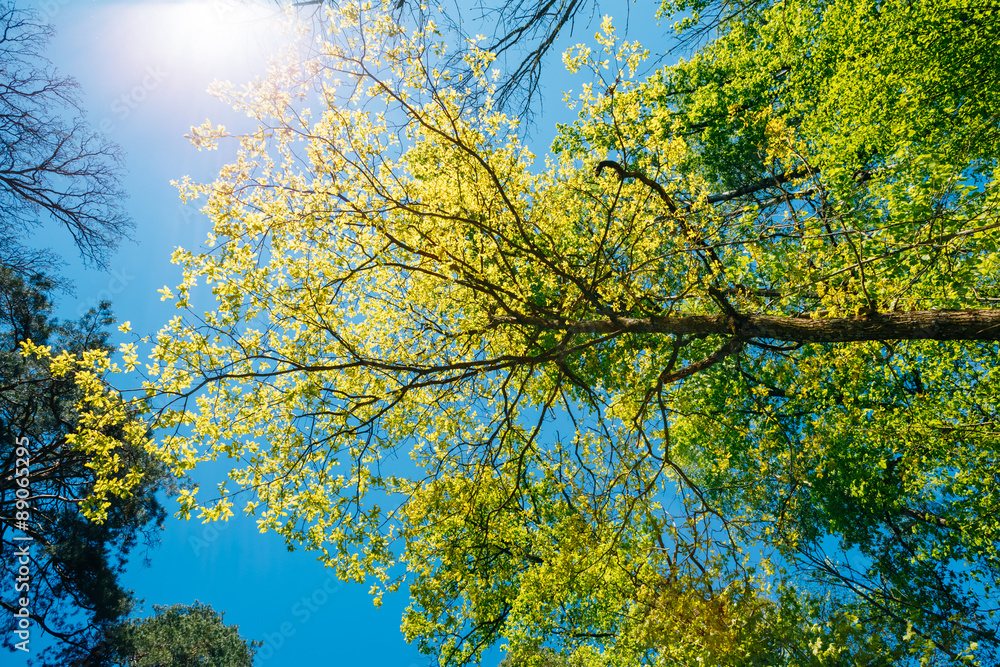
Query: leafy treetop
(713,382)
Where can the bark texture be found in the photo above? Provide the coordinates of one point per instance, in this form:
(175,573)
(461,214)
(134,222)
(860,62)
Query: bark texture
(913,325)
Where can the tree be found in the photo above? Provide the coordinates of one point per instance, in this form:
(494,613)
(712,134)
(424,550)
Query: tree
(524,32)
(175,636)
(715,383)
(54,165)
(540,658)
(74,591)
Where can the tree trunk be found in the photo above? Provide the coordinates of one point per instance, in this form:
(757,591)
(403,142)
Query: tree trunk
(913,325)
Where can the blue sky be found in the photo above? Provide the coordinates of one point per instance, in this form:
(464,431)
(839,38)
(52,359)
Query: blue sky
(144,68)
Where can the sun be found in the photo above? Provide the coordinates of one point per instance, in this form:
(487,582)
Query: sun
(187,44)
(221,38)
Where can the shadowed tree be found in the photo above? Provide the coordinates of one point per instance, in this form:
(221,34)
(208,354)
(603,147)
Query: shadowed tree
(54,167)
(74,590)
(174,636)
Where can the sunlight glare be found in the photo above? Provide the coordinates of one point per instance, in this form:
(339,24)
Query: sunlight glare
(194,42)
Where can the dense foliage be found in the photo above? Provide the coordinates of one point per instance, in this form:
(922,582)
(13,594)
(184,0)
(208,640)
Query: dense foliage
(74,589)
(713,383)
(176,636)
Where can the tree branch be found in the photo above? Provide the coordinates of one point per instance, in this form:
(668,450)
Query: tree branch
(915,325)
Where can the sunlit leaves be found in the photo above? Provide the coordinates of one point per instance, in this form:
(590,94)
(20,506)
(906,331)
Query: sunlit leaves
(420,347)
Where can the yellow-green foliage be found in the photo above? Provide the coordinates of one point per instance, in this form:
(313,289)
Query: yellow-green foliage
(105,423)
(393,334)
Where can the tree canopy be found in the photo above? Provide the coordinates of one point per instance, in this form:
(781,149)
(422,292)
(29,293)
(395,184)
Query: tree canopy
(713,382)
(175,636)
(74,588)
